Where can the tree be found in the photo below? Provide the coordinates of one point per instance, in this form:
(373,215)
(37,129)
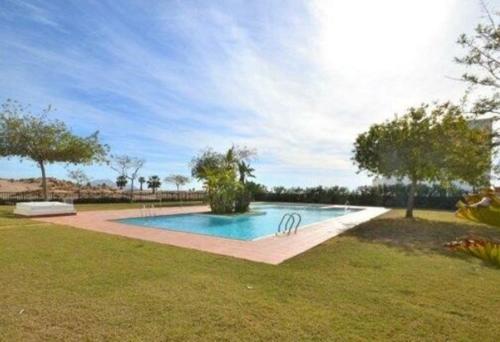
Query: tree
(154,183)
(245,171)
(178,180)
(128,167)
(212,160)
(256,188)
(79,177)
(141,181)
(222,190)
(482,61)
(207,160)
(121,181)
(227,192)
(426,144)
(44,141)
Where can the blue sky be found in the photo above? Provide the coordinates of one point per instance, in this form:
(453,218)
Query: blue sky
(297,80)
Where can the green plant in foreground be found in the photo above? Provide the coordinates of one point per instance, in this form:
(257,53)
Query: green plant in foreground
(484,249)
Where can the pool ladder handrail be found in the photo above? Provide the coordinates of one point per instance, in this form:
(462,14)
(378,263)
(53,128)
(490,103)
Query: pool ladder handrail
(288,227)
(147,211)
(346,207)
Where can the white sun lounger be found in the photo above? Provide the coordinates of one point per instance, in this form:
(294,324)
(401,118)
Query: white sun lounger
(32,209)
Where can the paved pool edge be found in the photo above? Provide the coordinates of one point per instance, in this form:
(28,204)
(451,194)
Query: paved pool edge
(271,250)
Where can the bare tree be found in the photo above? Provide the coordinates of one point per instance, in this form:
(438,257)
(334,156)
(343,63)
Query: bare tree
(79,177)
(178,180)
(127,167)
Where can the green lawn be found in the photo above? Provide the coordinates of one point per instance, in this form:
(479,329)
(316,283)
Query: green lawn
(388,279)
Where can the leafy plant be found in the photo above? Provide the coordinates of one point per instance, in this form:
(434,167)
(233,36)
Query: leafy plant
(224,176)
(121,182)
(486,250)
(223,190)
(154,183)
(44,141)
(481,60)
(395,196)
(427,144)
(489,214)
(141,181)
(482,63)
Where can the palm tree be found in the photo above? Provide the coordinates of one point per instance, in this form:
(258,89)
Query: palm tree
(154,183)
(224,176)
(245,171)
(121,181)
(141,181)
(237,160)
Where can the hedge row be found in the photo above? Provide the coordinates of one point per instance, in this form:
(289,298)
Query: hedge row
(434,197)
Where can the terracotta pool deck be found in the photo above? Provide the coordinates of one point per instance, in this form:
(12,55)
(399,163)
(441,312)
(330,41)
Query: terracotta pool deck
(270,250)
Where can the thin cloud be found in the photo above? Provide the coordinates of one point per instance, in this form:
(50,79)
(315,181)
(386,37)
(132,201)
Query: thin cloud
(297,81)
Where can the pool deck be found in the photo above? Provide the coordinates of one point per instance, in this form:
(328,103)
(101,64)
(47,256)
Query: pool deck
(271,250)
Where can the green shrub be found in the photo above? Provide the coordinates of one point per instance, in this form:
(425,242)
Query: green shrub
(224,176)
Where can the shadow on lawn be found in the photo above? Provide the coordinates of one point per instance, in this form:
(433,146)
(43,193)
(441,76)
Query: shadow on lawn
(419,235)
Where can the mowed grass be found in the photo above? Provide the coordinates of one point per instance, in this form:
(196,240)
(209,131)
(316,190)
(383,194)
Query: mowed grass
(387,279)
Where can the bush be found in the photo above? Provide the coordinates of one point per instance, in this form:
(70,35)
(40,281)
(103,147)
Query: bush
(395,196)
(243,199)
(224,176)
(486,250)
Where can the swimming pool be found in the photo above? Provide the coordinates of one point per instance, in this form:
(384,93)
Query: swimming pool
(263,220)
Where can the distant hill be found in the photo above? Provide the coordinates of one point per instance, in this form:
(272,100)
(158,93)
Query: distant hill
(11,185)
(54,184)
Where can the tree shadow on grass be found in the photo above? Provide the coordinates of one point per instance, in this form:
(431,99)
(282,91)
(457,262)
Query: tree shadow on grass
(419,235)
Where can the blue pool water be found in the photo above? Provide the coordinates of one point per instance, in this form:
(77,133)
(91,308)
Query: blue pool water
(262,221)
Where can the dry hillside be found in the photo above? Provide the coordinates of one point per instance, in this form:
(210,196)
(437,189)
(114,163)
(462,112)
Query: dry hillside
(54,184)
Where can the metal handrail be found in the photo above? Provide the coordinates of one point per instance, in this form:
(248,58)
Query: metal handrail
(287,227)
(281,222)
(290,217)
(346,206)
(298,223)
(148,211)
(290,223)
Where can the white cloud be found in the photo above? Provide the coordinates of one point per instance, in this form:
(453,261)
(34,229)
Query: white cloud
(297,81)
(362,62)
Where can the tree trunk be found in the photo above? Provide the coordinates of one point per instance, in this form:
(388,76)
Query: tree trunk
(131,189)
(44,181)
(411,199)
